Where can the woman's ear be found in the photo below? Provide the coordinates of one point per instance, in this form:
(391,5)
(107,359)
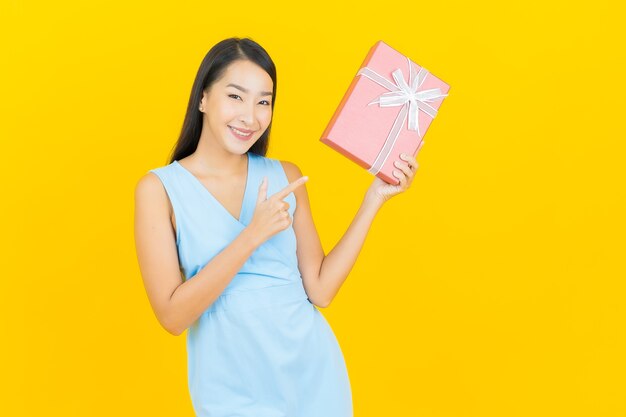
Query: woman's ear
(201,106)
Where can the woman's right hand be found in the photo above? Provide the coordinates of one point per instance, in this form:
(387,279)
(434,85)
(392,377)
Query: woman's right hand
(271,214)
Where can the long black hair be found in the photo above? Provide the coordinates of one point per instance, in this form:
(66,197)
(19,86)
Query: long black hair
(212,68)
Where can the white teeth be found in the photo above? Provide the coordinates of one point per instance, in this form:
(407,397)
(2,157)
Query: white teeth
(239,132)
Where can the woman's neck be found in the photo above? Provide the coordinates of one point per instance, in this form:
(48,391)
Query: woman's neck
(215,161)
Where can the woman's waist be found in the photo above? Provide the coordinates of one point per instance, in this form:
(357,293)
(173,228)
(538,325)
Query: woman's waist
(246,297)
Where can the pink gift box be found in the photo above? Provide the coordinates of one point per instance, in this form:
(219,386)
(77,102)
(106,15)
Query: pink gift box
(385,112)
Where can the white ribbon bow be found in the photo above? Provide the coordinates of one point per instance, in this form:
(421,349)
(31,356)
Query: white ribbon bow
(406,95)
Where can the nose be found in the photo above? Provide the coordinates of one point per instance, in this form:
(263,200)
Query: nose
(248,115)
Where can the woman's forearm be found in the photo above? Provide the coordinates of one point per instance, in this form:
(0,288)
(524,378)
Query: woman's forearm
(194,296)
(339,262)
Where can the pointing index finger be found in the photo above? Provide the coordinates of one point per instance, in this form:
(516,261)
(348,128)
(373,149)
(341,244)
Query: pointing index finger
(289,188)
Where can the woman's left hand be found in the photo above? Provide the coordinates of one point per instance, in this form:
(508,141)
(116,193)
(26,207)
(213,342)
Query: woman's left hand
(405,171)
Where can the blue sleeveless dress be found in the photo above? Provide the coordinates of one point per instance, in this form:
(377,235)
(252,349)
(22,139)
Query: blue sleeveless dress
(262,349)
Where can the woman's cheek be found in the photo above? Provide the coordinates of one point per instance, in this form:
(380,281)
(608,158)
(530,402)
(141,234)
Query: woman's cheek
(267,117)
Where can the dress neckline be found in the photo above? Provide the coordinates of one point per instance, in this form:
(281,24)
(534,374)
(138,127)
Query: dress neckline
(214,199)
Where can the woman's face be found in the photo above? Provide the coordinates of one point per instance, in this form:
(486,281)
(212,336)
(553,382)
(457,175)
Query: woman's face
(241,100)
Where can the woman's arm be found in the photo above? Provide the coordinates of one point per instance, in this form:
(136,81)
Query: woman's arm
(178,304)
(340,260)
(322,274)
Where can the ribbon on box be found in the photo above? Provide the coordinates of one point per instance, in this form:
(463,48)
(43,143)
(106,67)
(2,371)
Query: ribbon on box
(406,95)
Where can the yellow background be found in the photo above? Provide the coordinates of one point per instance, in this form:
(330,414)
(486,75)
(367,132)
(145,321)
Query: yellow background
(493,287)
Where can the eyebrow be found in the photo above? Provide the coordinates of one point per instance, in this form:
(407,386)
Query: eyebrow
(238,87)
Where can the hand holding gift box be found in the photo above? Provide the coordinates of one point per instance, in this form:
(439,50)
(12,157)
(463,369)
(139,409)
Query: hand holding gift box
(385,112)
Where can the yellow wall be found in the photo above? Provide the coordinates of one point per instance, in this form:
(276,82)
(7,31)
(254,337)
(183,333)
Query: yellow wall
(493,287)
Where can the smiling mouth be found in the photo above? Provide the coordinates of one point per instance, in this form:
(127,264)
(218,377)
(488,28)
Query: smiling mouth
(240,134)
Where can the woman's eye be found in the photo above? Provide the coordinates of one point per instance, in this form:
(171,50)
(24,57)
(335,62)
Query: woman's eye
(235,96)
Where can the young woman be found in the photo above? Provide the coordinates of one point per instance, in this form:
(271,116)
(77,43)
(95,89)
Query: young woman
(225,254)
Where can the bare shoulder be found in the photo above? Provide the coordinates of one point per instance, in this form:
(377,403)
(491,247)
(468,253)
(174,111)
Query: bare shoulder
(293,173)
(150,193)
(292,170)
(149,187)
